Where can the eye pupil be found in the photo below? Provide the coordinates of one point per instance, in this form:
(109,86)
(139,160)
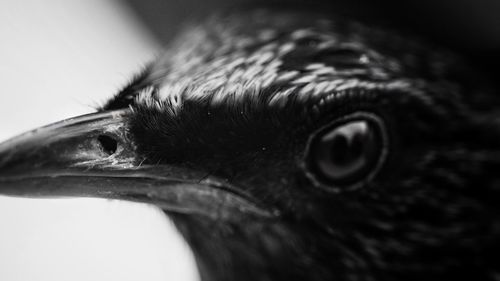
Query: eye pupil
(348,152)
(339,153)
(345,150)
(358,144)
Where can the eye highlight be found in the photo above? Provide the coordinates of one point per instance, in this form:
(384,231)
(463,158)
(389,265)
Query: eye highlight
(347,152)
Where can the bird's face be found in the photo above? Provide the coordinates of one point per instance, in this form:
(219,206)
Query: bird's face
(295,147)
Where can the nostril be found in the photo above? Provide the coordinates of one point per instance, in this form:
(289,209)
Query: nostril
(108,144)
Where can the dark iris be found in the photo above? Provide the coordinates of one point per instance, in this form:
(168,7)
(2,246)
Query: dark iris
(346,153)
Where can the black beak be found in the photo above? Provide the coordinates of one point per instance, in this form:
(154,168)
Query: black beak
(95,156)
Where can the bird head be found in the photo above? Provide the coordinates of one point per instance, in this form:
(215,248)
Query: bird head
(293,146)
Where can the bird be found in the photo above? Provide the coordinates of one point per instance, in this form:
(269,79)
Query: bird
(293,145)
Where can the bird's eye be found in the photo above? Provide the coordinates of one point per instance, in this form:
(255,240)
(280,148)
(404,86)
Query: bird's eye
(348,151)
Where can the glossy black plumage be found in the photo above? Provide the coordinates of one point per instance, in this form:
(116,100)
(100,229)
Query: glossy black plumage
(237,99)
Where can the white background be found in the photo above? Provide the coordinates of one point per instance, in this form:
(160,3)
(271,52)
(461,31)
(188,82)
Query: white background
(59,59)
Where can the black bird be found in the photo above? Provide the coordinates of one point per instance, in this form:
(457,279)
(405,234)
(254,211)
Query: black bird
(293,145)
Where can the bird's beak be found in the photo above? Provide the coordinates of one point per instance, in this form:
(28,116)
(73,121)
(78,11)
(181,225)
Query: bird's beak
(95,156)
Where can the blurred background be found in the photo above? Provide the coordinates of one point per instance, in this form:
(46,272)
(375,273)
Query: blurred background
(58,59)
(62,58)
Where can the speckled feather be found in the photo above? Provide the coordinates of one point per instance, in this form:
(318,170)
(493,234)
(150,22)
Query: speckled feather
(239,95)
(225,59)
